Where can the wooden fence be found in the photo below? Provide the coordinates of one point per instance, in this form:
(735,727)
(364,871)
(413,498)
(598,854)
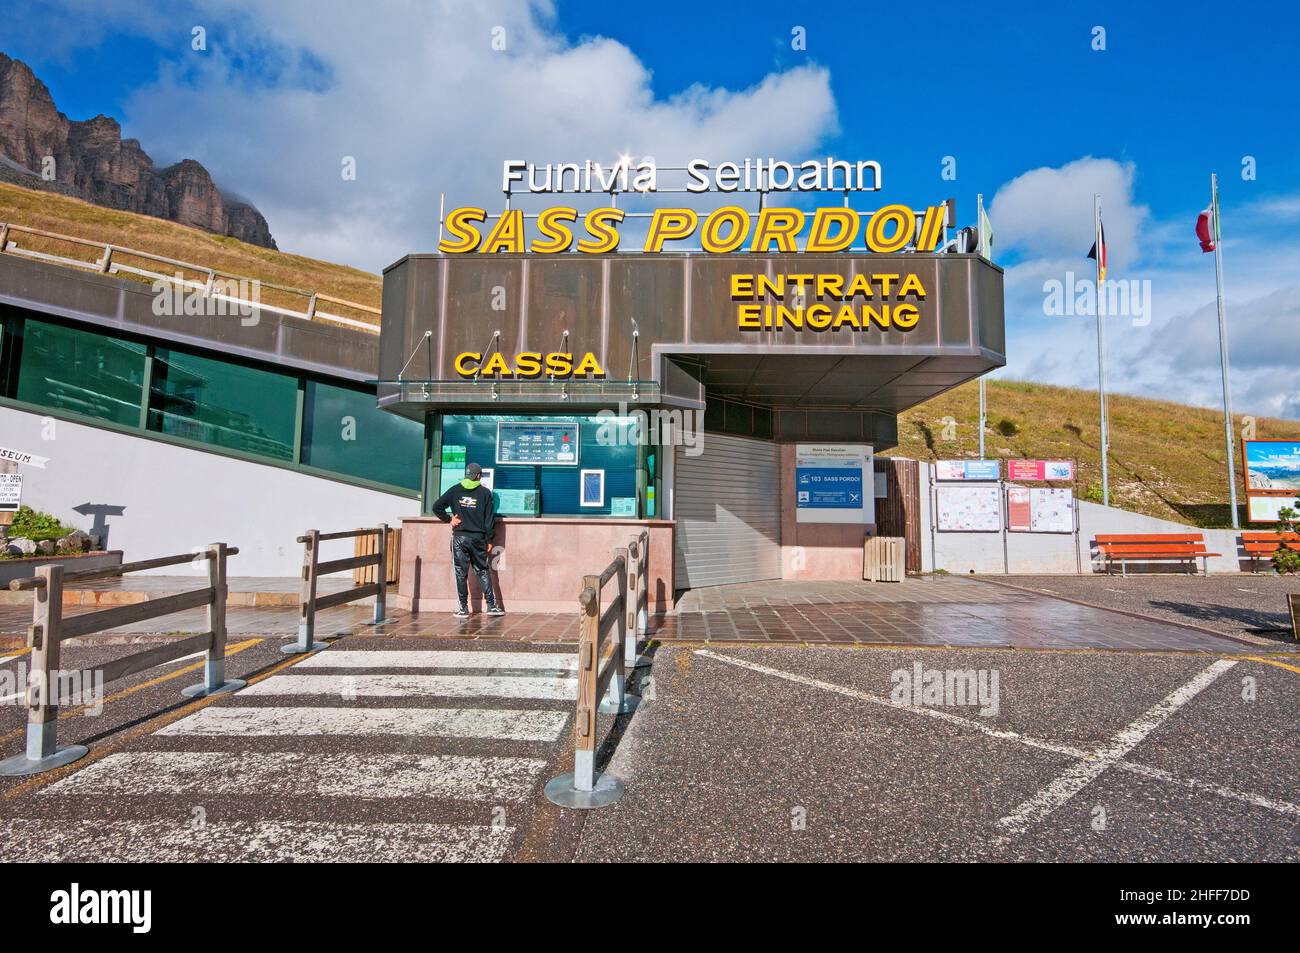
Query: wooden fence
(313,569)
(50,629)
(616,620)
(368,545)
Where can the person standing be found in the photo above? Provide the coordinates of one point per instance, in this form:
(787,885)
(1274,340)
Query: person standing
(473,521)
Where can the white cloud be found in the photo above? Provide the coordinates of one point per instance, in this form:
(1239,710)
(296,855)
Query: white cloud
(1173,353)
(1049,211)
(417,95)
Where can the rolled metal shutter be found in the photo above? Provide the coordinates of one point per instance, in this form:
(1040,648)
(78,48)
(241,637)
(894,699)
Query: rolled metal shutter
(727,505)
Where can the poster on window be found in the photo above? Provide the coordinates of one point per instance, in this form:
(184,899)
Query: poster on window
(968,509)
(591,488)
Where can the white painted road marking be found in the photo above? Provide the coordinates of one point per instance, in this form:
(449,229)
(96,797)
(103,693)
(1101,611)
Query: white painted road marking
(340,658)
(99,841)
(1080,775)
(413,722)
(1282,807)
(293,773)
(935,713)
(419,686)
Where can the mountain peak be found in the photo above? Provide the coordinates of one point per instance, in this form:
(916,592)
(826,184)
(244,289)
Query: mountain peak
(91,160)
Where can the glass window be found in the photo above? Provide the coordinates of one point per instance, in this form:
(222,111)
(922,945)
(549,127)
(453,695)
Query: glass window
(227,405)
(344,431)
(81,371)
(604,443)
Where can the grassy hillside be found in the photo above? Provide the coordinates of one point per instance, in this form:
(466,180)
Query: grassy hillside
(52,212)
(1166,459)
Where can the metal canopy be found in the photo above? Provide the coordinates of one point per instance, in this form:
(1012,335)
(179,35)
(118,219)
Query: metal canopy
(671,324)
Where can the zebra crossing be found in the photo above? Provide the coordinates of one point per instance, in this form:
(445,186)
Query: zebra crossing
(348,755)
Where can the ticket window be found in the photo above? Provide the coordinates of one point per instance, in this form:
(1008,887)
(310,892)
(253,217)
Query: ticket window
(546,465)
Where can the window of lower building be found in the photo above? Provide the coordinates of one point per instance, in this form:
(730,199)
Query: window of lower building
(344,431)
(80,371)
(227,405)
(607,445)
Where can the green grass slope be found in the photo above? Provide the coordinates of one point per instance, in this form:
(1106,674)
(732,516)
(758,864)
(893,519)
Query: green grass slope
(1166,459)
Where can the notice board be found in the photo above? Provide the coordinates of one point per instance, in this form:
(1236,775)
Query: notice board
(968,509)
(1039,510)
(542,443)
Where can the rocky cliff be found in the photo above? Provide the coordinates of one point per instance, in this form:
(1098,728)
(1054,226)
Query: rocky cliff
(92,161)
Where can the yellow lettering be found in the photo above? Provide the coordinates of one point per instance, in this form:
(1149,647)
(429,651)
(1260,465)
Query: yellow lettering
(528,364)
(507,235)
(559,365)
(466,363)
(912,286)
(848,315)
(820,238)
(462,236)
(779,224)
(600,224)
(903,221)
(818,317)
(906,316)
(559,237)
(731,216)
(830,286)
(770,287)
(670,224)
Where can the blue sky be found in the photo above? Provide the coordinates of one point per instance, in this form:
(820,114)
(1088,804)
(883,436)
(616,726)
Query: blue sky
(1035,118)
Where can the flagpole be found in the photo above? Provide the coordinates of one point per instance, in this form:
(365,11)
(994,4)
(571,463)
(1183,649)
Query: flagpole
(1223,353)
(979,224)
(1101,353)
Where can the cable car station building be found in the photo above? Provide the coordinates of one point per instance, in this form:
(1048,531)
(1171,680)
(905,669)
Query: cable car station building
(730,403)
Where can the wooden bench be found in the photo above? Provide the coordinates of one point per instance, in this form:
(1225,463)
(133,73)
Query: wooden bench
(1153,547)
(1257,545)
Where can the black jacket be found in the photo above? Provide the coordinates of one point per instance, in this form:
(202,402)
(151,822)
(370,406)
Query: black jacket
(475,508)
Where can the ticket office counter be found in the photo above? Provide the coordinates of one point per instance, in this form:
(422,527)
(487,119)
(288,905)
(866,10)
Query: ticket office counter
(569,490)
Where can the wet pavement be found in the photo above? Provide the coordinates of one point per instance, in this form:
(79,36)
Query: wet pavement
(1249,607)
(933,611)
(401,747)
(742,753)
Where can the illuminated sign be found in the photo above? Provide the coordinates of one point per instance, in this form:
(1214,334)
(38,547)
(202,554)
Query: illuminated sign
(751,175)
(725,230)
(528,364)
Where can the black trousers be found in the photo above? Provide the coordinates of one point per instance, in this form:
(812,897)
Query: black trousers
(469,551)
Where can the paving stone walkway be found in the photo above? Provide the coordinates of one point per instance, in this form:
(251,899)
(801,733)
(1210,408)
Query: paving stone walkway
(926,611)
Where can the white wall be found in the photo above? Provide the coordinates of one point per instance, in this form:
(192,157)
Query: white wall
(173,498)
(961,553)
